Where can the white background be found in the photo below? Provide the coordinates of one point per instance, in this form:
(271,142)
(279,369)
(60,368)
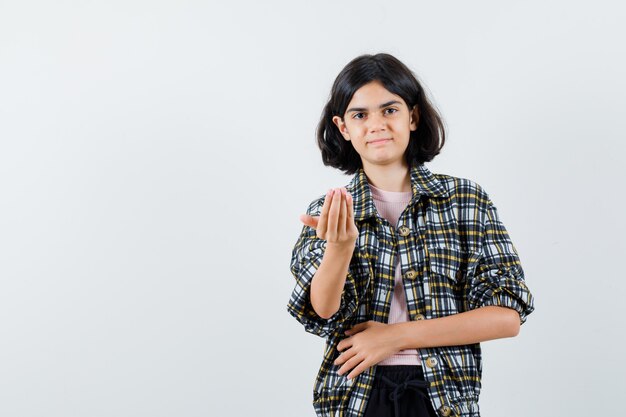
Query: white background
(155,156)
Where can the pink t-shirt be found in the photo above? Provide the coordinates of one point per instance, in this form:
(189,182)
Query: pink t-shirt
(390,205)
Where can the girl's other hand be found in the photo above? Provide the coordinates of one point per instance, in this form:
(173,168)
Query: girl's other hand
(335,224)
(368,344)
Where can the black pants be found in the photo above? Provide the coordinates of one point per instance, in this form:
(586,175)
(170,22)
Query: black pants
(399,391)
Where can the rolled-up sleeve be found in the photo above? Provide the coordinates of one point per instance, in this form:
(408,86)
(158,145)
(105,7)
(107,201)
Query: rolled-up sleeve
(305,260)
(498,278)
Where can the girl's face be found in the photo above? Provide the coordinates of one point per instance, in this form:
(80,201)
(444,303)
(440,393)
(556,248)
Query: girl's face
(374,113)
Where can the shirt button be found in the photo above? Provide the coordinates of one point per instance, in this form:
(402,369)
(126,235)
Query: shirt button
(431,362)
(445,410)
(404,231)
(410,274)
(419,317)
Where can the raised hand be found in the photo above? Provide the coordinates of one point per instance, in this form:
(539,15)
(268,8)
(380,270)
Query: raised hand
(335,224)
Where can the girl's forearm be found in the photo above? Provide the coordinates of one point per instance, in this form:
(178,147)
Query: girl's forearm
(474,326)
(329,280)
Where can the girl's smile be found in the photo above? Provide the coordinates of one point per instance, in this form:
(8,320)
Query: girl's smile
(379,141)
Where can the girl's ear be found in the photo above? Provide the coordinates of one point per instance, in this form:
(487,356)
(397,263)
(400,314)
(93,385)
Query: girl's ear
(341,126)
(415,117)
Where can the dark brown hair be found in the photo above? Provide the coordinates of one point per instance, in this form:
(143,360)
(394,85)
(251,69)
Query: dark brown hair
(425,142)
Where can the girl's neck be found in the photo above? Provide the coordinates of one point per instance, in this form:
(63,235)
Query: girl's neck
(396,178)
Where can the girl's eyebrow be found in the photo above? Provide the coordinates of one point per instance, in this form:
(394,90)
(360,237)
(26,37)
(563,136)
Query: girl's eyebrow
(389,103)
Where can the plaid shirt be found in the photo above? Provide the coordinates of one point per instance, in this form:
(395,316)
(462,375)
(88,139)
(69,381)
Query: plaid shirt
(455,256)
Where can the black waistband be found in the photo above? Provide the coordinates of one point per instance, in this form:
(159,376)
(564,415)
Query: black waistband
(397,372)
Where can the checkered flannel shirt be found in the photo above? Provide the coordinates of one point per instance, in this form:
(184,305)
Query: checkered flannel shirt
(455,255)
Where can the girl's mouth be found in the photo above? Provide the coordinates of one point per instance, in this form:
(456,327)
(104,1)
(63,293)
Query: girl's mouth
(379,141)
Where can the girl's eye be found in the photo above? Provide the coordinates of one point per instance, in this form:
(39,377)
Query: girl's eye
(356,115)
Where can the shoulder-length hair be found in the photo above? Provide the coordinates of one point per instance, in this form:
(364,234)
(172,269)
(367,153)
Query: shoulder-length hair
(425,142)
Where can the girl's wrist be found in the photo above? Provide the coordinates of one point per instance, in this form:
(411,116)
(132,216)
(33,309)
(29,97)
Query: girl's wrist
(340,248)
(402,335)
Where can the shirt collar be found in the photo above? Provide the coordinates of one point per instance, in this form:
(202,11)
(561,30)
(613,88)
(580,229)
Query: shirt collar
(423,182)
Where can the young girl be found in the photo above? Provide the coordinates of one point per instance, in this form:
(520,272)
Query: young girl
(403,272)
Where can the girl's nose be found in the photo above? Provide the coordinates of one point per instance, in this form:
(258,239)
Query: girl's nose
(376,122)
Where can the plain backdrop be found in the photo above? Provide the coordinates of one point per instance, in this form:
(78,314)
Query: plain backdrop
(155,157)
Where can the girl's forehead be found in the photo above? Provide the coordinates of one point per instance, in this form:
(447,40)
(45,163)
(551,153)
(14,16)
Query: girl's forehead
(373,93)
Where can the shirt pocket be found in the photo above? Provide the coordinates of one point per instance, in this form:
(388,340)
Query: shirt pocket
(446,270)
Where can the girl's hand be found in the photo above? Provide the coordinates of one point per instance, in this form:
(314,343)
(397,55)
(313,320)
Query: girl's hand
(335,224)
(369,343)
